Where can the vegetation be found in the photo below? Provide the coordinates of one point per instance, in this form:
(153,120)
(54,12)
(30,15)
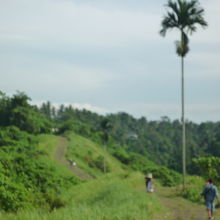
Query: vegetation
(112,198)
(209,167)
(157,141)
(34,185)
(18,112)
(28,179)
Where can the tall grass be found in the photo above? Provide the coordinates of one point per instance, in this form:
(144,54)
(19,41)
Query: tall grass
(85,152)
(107,198)
(48,144)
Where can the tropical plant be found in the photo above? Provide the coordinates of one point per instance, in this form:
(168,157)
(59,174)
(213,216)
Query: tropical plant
(184,16)
(208,167)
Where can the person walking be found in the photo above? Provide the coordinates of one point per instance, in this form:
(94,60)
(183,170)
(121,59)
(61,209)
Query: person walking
(210,193)
(149,184)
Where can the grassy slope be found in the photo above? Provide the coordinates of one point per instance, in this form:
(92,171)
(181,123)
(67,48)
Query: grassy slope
(86,154)
(180,208)
(120,194)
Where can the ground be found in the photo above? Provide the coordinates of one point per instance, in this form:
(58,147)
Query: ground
(60,157)
(177,207)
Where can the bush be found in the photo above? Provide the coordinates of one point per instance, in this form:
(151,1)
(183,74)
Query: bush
(27,176)
(137,162)
(99,163)
(208,167)
(166,176)
(13,196)
(193,194)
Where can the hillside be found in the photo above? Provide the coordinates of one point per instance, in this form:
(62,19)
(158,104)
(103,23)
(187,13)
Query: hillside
(80,165)
(119,194)
(100,196)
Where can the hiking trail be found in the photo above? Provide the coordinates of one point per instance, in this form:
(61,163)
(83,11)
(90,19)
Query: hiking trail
(59,156)
(177,207)
(180,208)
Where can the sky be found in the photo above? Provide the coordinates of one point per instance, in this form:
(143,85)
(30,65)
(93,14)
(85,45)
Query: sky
(107,56)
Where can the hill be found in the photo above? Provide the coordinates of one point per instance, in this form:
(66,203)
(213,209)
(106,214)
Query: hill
(94,166)
(119,194)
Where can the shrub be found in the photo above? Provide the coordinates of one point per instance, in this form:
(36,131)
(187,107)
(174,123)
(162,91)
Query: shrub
(193,194)
(27,176)
(208,167)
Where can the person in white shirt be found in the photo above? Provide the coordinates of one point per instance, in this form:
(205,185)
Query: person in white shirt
(149,183)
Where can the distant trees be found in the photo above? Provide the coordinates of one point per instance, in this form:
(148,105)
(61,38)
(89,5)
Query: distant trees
(208,167)
(159,141)
(48,110)
(28,179)
(18,112)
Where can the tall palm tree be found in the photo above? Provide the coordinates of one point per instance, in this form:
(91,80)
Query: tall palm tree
(184,16)
(106,126)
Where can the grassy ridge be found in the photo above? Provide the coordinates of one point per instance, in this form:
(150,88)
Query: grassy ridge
(120,194)
(90,156)
(111,198)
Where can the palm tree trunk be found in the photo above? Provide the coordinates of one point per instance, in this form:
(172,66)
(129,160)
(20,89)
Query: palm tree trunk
(183,125)
(104,161)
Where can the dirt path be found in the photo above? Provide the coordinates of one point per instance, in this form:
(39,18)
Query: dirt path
(181,209)
(60,157)
(177,208)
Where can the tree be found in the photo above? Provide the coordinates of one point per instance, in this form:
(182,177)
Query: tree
(106,126)
(46,109)
(184,16)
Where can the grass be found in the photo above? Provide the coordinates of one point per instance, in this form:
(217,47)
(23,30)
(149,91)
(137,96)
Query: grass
(110,197)
(118,195)
(86,153)
(48,143)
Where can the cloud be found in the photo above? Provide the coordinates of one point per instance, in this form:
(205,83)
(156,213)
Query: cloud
(80,106)
(105,53)
(50,76)
(207,63)
(64,23)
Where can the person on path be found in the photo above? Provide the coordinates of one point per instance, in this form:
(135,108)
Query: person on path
(149,184)
(210,193)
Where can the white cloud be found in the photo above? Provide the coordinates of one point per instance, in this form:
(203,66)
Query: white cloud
(207,63)
(68,24)
(51,76)
(89,107)
(82,51)
(80,106)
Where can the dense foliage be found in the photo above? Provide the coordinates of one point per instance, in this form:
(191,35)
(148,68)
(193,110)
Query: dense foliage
(159,141)
(27,178)
(208,167)
(18,112)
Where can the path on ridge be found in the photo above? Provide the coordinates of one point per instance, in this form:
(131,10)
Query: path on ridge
(181,209)
(60,152)
(177,208)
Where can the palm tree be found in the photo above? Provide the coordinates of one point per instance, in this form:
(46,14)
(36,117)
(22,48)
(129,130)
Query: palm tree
(106,126)
(184,16)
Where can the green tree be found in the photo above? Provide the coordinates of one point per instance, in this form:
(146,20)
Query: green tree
(208,167)
(47,109)
(184,16)
(4,109)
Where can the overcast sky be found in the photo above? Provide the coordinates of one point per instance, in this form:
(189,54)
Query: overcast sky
(107,56)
